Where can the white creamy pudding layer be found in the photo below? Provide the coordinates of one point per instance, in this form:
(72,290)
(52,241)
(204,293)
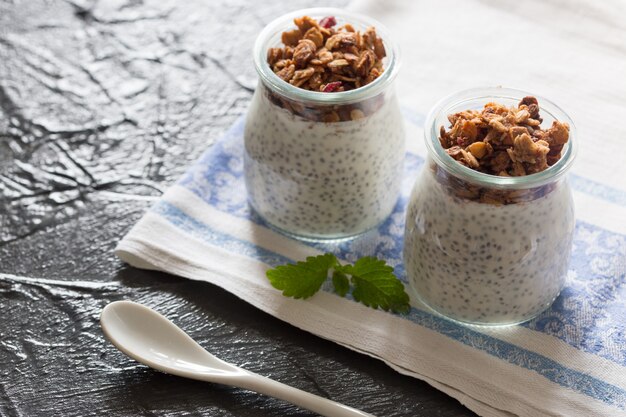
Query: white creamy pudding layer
(320,179)
(485,263)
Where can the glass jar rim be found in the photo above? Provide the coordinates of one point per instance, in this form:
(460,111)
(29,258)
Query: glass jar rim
(492,94)
(275,83)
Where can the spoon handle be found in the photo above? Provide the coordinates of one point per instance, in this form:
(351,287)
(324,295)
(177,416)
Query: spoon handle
(320,405)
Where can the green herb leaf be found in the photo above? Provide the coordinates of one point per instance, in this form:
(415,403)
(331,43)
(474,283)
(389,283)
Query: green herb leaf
(373,281)
(341,283)
(376,286)
(303,279)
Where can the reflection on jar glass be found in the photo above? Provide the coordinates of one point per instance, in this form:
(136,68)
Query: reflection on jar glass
(485,249)
(323,165)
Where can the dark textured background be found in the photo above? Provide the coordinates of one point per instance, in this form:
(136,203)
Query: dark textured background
(103,104)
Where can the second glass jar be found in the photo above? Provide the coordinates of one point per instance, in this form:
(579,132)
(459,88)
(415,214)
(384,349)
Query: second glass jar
(485,249)
(323,165)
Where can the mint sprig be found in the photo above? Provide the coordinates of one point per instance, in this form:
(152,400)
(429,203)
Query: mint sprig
(371,280)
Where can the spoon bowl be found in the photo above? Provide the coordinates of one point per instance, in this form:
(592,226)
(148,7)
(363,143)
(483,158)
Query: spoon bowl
(150,338)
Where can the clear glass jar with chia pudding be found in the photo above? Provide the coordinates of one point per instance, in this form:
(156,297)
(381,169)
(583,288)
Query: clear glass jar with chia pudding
(487,249)
(322,165)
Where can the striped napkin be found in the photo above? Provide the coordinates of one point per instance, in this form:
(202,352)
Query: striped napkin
(571,360)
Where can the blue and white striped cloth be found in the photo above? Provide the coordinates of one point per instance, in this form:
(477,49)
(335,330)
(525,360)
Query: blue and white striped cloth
(571,360)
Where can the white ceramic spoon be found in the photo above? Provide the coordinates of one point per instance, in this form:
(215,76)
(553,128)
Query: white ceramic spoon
(149,338)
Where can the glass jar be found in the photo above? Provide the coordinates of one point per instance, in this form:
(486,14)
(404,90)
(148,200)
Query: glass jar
(323,165)
(485,249)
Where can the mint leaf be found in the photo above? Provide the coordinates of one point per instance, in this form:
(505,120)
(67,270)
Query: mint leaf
(341,283)
(376,286)
(373,281)
(303,279)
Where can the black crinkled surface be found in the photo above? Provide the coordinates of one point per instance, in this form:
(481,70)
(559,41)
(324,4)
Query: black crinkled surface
(103,105)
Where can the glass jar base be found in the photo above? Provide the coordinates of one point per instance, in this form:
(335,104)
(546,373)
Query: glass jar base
(330,238)
(415,295)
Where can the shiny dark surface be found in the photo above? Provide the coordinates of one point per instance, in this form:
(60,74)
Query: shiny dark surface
(103,104)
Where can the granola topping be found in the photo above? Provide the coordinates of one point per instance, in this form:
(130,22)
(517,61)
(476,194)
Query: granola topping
(321,56)
(504,141)
(316,54)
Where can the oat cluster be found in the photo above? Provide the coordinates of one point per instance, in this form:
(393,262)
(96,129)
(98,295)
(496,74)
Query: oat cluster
(319,57)
(504,141)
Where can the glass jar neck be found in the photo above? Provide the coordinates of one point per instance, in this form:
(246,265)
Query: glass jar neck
(475,99)
(270,37)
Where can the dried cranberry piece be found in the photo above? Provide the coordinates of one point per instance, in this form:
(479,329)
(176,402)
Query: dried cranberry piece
(328,22)
(330,87)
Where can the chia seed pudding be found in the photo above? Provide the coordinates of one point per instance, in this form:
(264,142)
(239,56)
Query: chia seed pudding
(487,249)
(323,179)
(324,160)
(484,263)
